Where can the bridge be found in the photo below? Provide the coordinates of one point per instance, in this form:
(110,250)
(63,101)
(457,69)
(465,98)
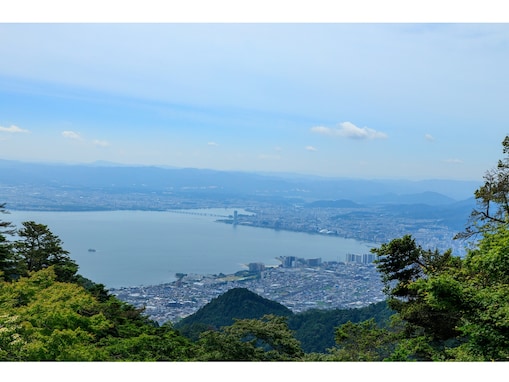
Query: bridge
(187,212)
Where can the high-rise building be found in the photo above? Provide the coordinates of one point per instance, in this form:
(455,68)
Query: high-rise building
(256,267)
(314,262)
(288,261)
(368,258)
(353,258)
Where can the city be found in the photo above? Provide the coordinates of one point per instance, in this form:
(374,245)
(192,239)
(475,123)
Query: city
(299,284)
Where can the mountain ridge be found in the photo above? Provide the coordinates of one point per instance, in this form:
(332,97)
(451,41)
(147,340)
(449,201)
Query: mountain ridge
(156,178)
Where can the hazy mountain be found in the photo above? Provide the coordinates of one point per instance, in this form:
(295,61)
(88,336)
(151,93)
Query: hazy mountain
(343,203)
(112,177)
(427,197)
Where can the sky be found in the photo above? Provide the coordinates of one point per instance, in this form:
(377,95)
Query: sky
(364,100)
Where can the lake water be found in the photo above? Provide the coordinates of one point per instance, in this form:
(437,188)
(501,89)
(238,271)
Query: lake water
(148,247)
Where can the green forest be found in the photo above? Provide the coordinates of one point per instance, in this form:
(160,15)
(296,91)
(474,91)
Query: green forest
(439,307)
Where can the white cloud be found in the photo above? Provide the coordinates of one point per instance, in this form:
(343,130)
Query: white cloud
(13,129)
(429,137)
(349,130)
(212,144)
(100,143)
(322,130)
(311,148)
(71,135)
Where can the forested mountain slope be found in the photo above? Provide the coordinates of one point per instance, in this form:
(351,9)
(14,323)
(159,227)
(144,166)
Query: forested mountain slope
(313,328)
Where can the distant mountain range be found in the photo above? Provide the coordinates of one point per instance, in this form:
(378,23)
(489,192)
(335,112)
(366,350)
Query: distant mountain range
(111,177)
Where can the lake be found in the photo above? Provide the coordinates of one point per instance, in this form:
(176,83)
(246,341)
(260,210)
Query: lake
(135,248)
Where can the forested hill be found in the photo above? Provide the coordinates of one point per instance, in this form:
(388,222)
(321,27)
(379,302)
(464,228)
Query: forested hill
(313,328)
(236,303)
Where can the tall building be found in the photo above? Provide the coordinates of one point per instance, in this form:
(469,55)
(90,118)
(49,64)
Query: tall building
(368,258)
(353,258)
(314,262)
(288,261)
(256,267)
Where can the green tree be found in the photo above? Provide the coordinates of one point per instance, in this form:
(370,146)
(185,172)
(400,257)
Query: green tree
(43,319)
(9,262)
(265,339)
(486,298)
(6,228)
(150,344)
(404,267)
(492,199)
(47,320)
(39,248)
(363,341)
(455,309)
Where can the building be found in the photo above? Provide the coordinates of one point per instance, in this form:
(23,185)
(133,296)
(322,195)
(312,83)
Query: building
(256,267)
(368,258)
(288,261)
(314,262)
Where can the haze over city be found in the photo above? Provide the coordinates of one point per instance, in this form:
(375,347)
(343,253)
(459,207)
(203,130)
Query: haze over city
(367,100)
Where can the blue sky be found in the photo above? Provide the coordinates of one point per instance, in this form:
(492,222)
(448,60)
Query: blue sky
(414,101)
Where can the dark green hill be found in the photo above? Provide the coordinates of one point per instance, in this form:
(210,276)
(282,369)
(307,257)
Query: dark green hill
(221,311)
(314,328)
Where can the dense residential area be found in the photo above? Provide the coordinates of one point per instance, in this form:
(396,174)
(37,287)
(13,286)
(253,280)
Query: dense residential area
(330,285)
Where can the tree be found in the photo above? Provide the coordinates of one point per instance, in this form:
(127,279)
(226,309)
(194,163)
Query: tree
(42,319)
(6,228)
(408,272)
(47,320)
(9,262)
(39,248)
(265,339)
(363,341)
(486,295)
(492,199)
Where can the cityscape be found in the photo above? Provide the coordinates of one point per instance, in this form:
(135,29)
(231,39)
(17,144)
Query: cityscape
(299,284)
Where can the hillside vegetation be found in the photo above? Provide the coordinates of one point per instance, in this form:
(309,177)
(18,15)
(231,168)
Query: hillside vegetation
(445,307)
(313,328)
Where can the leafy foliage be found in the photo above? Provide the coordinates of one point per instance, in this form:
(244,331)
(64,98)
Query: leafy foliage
(264,339)
(315,328)
(407,270)
(492,199)
(40,248)
(363,341)
(47,320)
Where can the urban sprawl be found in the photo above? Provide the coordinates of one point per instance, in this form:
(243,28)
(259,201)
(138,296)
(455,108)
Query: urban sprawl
(299,284)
